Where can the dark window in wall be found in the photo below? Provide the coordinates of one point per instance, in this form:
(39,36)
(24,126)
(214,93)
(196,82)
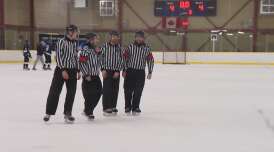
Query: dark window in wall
(2,41)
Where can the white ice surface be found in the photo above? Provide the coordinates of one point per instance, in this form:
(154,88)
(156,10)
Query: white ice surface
(186,108)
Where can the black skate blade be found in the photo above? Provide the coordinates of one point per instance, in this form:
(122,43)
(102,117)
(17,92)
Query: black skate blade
(90,119)
(107,114)
(128,113)
(136,114)
(68,122)
(46,119)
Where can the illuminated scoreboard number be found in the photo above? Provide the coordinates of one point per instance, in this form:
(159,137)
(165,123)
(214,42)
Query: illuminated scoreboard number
(171,8)
(166,8)
(204,7)
(185,8)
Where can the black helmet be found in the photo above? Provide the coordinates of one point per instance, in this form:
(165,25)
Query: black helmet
(91,35)
(140,34)
(71,28)
(114,33)
(43,43)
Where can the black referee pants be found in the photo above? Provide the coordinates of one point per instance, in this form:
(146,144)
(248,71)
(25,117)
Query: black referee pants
(133,88)
(26,59)
(56,88)
(92,91)
(110,90)
(48,59)
(26,62)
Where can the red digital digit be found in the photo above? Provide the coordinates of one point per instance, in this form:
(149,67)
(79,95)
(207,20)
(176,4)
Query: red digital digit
(172,7)
(187,4)
(190,12)
(201,7)
(184,4)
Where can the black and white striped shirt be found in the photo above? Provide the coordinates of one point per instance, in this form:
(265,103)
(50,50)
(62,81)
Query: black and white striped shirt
(137,56)
(89,60)
(66,54)
(112,57)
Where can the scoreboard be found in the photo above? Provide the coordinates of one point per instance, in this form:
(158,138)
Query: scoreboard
(178,8)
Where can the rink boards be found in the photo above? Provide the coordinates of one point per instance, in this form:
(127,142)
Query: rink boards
(240,58)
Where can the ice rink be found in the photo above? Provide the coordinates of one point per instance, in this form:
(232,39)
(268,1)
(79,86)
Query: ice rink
(186,108)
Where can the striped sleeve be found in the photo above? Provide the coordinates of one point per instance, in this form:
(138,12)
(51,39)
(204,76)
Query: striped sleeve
(59,53)
(123,60)
(84,59)
(84,68)
(102,57)
(126,57)
(77,57)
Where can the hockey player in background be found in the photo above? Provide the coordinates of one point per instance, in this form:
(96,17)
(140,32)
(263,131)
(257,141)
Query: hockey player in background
(90,69)
(137,55)
(47,54)
(41,48)
(27,55)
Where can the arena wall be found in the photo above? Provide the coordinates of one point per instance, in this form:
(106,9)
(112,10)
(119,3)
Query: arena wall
(53,15)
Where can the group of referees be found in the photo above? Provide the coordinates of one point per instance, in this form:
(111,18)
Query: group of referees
(88,61)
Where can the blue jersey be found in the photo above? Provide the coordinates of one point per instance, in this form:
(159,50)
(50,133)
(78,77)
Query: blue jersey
(48,50)
(26,51)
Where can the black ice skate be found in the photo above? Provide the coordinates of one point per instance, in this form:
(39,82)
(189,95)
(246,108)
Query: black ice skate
(114,111)
(49,68)
(44,67)
(108,112)
(25,67)
(46,118)
(128,111)
(69,119)
(89,116)
(136,112)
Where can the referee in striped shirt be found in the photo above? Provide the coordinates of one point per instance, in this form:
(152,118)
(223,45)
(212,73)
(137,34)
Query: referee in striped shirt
(111,64)
(67,71)
(90,69)
(137,55)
